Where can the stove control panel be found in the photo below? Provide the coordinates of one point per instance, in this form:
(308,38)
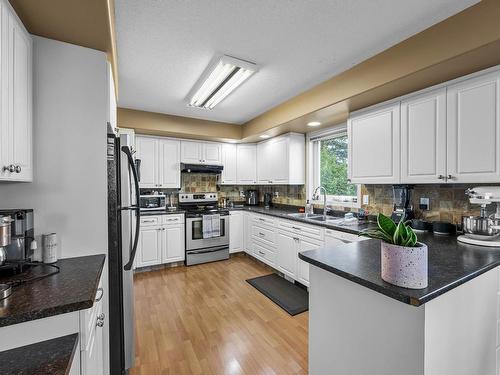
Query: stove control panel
(197,197)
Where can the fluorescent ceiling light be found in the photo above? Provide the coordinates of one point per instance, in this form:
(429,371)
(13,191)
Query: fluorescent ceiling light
(222,76)
(314,123)
(265,136)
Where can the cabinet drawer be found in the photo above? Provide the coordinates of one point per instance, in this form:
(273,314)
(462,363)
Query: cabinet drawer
(266,235)
(263,220)
(173,219)
(301,229)
(264,254)
(149,221)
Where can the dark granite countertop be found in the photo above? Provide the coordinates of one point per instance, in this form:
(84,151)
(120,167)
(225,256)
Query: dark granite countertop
(47,357)
(284,213)
(73,288)
(161,212)
(451,263)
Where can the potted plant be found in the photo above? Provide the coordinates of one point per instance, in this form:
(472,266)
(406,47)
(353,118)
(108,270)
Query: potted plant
(403,258)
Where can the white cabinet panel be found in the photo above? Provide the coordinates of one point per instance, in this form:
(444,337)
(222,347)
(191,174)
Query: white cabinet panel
(191,152)
(173,243)
(287,246)
(147,152)
(247,222)
(229,161)
(265,163)
(473,127)
(169,163)
(246,161)
(303,267)
(423,138)
(236,232)
(149,247)
(212,153)
(374,145)
(16,98)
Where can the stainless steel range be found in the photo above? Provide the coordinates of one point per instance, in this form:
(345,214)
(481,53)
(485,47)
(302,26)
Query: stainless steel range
(207,228)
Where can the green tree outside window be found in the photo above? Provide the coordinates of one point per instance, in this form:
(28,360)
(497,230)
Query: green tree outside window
(333,167)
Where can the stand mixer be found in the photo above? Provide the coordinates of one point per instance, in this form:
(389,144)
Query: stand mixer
(483,230)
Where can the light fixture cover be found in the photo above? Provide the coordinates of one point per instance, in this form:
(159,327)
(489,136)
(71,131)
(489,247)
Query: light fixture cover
(314,123)
(222,76)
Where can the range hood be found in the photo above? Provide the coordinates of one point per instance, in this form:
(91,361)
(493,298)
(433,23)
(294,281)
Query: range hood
(201,168)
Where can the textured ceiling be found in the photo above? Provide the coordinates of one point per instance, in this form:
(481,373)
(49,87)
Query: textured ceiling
(164,46)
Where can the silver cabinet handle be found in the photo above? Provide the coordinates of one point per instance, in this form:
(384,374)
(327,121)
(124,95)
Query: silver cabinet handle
(262,253)
(100,323)
(262,219)
(296,239)
(97,299)
(296,228)
(261,234)
(18,169)
(441,177)
(450,177)
(148,221)
(9,168)
(173,219)
(101,316)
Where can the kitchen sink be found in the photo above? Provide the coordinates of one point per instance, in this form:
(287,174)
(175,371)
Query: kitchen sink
(301,215)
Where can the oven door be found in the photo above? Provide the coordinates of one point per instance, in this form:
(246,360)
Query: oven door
(194,234)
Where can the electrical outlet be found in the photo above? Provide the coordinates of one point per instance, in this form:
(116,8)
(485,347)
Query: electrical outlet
(276,194)
(366,199)
(242,194)
(425,204)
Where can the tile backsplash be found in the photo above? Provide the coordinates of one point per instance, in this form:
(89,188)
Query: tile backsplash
(447,202)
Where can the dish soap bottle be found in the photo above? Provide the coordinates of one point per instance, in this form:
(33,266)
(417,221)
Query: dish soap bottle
(309,208)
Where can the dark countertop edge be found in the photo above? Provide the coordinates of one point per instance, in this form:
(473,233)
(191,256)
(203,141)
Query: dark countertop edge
(281,215)
(57,310)
(24,353)
(393,294)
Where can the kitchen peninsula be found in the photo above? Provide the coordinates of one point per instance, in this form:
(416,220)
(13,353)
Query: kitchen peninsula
(360,324)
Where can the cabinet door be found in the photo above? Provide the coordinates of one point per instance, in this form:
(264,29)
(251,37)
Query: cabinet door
(235,232)
(303,267)
(173,244)
(147,152)
(212,153)
(278,162)
(374,146)
(170,172)
(149,247)
(191,152)
(246,164)
(265,163)
(248,233)
(287,253)
(17,99)
(423,138)
(229,162)
(473,127)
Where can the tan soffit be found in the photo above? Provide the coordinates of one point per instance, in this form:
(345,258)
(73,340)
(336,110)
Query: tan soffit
(87,23)
(469,30)
(176,126)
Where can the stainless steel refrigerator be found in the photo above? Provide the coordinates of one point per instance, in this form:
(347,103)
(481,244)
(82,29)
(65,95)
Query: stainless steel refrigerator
(123,234)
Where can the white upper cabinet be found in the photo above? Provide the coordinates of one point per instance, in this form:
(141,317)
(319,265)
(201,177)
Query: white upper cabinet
(281,160)
(112,98)
(169,163)
(16,154)
(374,145)
(474,130)
(423,138)
(201,153)
(160,162)
(246,161)
(147,152)
(229,161)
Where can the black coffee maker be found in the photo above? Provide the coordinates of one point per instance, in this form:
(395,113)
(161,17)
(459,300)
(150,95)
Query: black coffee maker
(401,195)
(22,234)
(268,200)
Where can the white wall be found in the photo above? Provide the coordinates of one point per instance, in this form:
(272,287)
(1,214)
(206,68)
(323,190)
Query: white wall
(69,189)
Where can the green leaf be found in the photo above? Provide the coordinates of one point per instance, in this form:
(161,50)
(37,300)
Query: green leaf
(386,224)
(375,233)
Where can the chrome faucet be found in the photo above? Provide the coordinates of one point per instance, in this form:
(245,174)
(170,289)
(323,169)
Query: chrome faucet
(316,197)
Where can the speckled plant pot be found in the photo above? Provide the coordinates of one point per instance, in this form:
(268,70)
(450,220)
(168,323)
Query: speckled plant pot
(405,266)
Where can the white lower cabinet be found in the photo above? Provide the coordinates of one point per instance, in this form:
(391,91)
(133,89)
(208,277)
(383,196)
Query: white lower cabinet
(286,244)
(236,232)
(161,240)
(305,244)
(247,232)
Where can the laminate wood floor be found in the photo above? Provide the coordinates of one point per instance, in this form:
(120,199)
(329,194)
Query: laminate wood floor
(207,319)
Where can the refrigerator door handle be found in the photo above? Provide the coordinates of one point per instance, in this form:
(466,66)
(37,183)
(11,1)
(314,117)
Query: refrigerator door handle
(136,207)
